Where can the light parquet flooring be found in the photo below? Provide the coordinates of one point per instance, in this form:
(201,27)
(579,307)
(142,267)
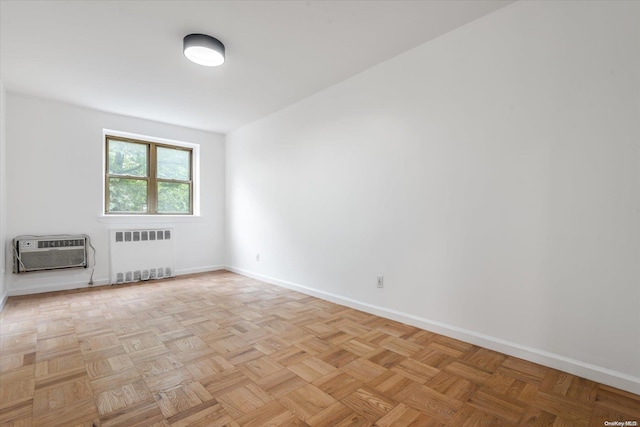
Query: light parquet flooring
(220,349)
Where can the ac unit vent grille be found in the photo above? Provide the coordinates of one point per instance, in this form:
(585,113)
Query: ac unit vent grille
(60,243)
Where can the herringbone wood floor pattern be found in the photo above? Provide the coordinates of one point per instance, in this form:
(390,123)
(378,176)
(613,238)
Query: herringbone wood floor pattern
(221,349)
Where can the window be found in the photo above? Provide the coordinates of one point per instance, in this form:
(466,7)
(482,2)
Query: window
(144,177)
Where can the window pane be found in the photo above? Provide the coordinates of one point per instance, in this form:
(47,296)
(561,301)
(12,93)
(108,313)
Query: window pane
(173,197)
(127,195)
(174,164)
(127,158)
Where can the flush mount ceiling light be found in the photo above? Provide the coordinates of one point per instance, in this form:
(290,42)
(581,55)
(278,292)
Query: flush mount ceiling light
(204,50)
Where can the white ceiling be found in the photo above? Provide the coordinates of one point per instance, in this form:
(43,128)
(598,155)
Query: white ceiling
(125,57)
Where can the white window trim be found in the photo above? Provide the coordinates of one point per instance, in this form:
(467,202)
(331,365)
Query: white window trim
(196,175)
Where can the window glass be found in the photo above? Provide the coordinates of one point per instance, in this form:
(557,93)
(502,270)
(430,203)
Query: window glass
(174,164)
(127,195)
(173,197)
(127,158)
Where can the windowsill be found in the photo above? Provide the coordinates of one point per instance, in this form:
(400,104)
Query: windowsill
(149,219)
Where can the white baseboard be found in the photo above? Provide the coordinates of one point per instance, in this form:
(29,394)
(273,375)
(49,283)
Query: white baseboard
(199,269)
(54,287)
(575,367)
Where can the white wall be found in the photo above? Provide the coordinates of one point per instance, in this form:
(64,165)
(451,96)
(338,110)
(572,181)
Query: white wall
(3,204)
(492,175)
(55,187)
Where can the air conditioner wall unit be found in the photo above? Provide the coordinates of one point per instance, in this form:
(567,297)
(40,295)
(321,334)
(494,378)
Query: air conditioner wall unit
(37,253)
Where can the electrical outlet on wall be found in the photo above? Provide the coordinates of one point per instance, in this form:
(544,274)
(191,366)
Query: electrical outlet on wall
(258,257)
(381,281)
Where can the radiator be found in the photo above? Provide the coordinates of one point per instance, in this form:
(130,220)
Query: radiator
(141,255)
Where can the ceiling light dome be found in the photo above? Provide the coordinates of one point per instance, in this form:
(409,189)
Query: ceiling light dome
(204,50)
